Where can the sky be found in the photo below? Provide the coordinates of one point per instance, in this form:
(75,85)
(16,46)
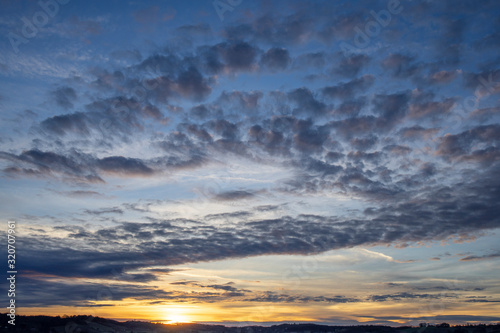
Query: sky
(242,162)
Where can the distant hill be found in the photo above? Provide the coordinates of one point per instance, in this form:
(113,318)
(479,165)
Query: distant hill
(90,324)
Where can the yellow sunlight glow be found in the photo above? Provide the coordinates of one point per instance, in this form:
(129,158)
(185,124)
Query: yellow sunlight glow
(176,316)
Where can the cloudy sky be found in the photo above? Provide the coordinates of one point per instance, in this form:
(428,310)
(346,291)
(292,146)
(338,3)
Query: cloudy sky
(253,161)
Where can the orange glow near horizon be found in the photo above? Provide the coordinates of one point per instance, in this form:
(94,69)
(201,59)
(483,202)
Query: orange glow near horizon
(175,313)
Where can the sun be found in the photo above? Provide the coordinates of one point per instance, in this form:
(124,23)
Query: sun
(176,319)
(176,316)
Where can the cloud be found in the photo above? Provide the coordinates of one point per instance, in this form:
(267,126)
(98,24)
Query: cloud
(124,251)
(275,59)
(316,60)
(347,90)
(114,210)
(484,114)
(273,297)
(442,77)
(239,101)
(351,108)
(40,293)
(407,296)
(450,45)
(478,144)
(68,123)
(436,217)
(306,102)
(238,56)
(82,194)
(65,97)
(400,65)
(234,195)
(350,66)
(363,143)
(224,129)
(483,257)
(74,166)
(483,83)
(418,132)
(213,96)
(192,85)
(39,163)
(111,117)
(431,109)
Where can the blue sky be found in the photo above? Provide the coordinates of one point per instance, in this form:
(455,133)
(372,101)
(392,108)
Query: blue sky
(235,161)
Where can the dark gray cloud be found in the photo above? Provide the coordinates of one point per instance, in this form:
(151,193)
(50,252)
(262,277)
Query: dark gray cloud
(65,97)
(306,102)
(82,194)
(275,59)
(364,143)
(310,139)
(355,126)
(486,82)
(43,164)
(123,165)
(237,56)
(40,293)
(191,84)
(398,150)
(122,252)
(406,296)
(479,144)
(239,102)
(68,123)
(351,65)
(234,195)
(315,60)
(418,132)
(442,77)
(450,46)
(401,65)
(351,108)
(347,90)
(391,108)
(483,257)
(109,117)
(484,114)
(445,211)
(273,297)
(223,128)
(200,112)
(432,109)
(74,165)
(113,210)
